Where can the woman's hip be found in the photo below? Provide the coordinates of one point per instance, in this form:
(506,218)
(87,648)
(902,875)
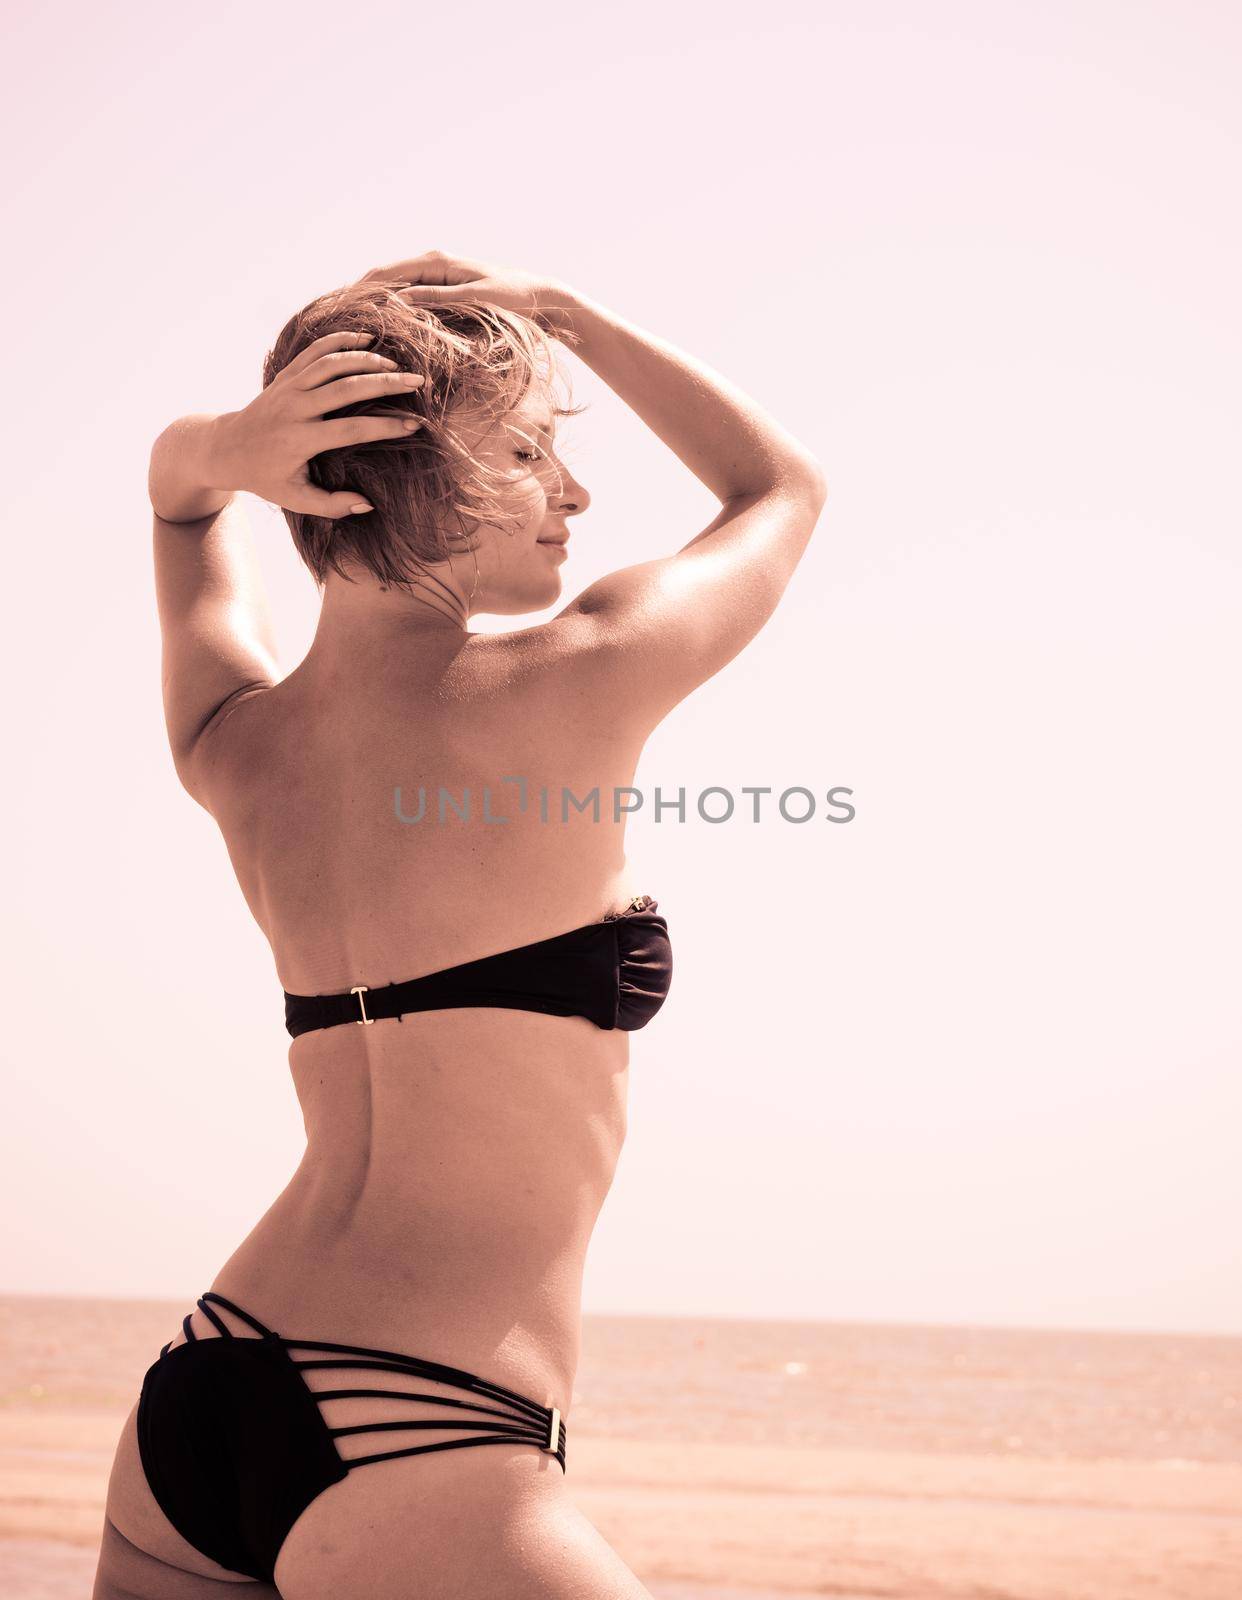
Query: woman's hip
(241,1428)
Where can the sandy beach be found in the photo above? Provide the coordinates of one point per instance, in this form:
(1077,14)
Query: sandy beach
(699,1521)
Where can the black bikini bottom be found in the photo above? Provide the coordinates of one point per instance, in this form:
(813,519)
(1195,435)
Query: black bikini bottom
(235,1448)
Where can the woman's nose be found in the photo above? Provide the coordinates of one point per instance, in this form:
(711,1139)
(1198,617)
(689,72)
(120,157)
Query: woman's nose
(573,497)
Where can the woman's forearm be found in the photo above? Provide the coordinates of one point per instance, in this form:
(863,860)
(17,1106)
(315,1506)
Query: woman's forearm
(181,479)
(727,440)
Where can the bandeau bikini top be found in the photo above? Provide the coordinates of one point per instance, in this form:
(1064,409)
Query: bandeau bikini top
(615,973)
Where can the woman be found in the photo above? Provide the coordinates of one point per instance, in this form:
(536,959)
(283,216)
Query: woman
(460,977)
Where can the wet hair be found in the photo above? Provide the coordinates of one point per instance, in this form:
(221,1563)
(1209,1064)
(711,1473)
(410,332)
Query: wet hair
(430,491)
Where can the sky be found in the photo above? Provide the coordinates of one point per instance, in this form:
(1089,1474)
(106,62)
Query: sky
(972,1057)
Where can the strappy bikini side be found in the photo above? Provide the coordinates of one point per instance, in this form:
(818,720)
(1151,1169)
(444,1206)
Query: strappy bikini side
(525,1420)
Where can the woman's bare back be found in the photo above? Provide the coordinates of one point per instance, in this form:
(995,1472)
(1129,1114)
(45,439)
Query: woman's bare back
(456,1160)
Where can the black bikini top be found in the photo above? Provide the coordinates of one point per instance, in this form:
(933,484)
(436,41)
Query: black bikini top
(615,973)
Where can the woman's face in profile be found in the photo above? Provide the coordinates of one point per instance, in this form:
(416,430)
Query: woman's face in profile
(519,565)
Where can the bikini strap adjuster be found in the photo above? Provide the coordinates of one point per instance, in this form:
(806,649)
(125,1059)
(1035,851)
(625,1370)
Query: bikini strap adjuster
(360,989)
(554,1432)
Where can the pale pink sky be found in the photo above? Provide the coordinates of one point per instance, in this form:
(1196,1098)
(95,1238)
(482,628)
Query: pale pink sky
(973,1057)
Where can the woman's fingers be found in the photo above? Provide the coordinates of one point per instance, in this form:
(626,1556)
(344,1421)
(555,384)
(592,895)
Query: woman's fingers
(399,272)
(322,347)
(319,503)
(441,293)
(343,431)
(339,362)
(306,498)
(348,391)
(433,267)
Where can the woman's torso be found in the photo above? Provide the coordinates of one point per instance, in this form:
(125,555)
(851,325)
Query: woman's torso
(456,1160)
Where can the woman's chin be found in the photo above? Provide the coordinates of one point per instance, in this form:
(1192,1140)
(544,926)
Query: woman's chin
(549,590)
(536,596)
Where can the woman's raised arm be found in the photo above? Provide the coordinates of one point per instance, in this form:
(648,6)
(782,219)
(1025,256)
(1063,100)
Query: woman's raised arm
(642,638)
(217,637)
(215,629)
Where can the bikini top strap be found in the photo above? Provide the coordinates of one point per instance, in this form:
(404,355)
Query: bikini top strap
(237,1312)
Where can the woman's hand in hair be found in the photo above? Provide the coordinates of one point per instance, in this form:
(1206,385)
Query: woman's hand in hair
(435,278)
(265,448)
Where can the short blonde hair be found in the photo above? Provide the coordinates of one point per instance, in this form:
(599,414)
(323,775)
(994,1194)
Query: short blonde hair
(429,490)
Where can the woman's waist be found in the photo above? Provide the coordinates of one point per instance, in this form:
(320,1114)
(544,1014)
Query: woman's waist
(492,1093)
(503,1302)
(512,1208)
(522,1179)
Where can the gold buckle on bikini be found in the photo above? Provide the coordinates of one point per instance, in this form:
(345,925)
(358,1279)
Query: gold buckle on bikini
(554,1432)
(360,989)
